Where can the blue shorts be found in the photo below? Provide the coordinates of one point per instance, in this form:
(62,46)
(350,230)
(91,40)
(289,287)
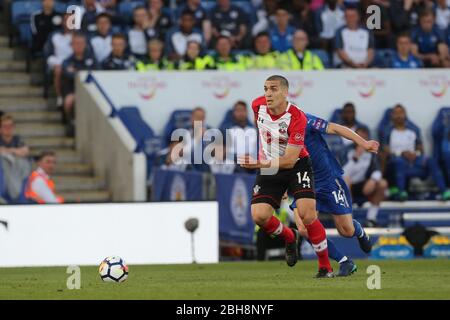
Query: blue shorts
(332,197)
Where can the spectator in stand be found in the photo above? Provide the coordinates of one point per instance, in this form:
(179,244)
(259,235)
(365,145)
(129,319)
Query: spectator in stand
(348,119)
(223,58)
(119,59)
(192,60)
(265,15)
(43,23)
(300,58)
(282,32)
(403,57)
(328,20)
(354,44)
(173,157)
(197,132)
(89,11)
(429,42)
(40,187)
(228,19)
(141,33)
(264,57)
(58,48)
(241,135)
(160,20)
(442,15)
(178,37)
(305,18)
(81,59)
(155,59)
(13,157)
(400,12)
(407,160)
(202,21)
(363,176)
(101,42)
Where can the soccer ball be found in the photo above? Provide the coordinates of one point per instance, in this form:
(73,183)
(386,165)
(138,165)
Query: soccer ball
(113,269)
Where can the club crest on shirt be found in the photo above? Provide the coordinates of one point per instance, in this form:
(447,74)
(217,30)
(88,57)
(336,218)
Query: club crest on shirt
(299,137)
(282,127)
(256,189)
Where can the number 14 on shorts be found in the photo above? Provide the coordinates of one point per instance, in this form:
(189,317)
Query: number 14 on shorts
(339,197)
(304,181)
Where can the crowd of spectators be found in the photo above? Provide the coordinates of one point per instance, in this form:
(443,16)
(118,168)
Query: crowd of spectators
(227,35)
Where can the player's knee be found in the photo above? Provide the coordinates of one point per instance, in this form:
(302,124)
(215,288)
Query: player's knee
(308,214)
(260,215)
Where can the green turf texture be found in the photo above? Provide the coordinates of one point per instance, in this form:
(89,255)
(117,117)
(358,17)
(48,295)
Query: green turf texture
(413,279)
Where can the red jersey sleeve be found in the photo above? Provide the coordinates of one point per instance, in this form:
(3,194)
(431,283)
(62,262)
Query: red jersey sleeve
(255,106)
(297,130)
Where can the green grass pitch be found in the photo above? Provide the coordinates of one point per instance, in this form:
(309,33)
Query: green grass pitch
(413,279)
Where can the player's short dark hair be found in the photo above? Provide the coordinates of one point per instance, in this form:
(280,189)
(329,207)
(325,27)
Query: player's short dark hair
(103,15)
(45,153)
(283,81)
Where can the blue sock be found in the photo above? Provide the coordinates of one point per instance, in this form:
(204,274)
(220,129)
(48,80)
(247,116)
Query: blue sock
(333,252)
(359,231)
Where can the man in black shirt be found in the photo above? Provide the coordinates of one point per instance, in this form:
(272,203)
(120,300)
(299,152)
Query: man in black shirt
(230,20)
(43,23)
(118,59)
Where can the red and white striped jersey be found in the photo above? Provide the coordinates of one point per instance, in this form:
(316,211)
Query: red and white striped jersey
(277,132)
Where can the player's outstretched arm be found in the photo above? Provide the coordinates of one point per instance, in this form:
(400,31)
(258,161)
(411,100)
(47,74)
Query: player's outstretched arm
(371,145)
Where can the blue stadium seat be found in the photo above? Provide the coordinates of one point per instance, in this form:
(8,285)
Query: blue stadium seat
(21,12)
(178,119)
(383,58)
(441,121)
(336,115)
(323,55)
(144,136)
(126,8)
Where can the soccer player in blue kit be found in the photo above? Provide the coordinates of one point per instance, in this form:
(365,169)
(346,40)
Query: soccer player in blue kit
(332,194)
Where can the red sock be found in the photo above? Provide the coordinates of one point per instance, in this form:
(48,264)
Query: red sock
(274,227)
(318,238)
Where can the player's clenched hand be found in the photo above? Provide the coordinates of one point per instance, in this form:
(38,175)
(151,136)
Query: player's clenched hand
(372,146)
(249,163)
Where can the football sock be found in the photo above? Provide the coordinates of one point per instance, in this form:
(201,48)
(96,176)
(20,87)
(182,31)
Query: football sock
(275,228)
(359,231)
(318,238)
(333,252)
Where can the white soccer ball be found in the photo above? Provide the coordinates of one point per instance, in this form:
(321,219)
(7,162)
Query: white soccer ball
(113,269)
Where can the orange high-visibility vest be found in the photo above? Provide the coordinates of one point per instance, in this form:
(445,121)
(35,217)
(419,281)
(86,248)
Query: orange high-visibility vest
(29,192)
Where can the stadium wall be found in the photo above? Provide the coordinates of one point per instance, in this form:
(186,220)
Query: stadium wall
(107,144)
(84,234)
(422,92)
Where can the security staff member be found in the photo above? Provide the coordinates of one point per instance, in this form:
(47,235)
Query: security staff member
(155,59)
(299,58)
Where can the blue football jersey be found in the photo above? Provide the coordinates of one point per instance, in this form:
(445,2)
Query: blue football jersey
(325,165)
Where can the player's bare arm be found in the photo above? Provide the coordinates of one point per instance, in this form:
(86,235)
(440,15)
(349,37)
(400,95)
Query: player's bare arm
(371,145)
(285,162)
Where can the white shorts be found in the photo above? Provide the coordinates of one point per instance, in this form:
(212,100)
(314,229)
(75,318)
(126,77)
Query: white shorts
(53,61)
